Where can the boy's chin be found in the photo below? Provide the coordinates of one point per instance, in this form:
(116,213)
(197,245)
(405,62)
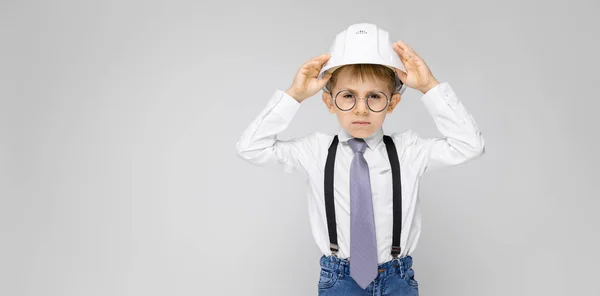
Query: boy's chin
(360,132)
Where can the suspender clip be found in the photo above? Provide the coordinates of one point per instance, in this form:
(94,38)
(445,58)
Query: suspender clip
(334,249)
(395,251)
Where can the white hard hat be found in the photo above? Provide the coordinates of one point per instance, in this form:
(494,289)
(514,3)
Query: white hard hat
(363,43)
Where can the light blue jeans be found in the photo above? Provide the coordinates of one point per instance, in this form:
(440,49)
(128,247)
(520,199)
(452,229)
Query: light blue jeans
(395,277)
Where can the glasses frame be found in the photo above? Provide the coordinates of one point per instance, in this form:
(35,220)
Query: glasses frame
(357,98)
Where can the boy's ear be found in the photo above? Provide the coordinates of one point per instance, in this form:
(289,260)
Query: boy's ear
(394,102)
(328,102)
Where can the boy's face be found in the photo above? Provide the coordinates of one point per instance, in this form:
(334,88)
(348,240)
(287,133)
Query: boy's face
(349,120)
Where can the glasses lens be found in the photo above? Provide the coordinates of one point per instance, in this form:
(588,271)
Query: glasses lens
(377,101)
(345,100)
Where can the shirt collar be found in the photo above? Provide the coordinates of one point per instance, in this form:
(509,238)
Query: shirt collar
(372,140)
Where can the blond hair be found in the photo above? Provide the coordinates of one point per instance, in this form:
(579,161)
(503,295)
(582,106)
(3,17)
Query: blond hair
(363,71)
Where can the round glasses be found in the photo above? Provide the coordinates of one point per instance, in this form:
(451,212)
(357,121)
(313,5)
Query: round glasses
(345,100)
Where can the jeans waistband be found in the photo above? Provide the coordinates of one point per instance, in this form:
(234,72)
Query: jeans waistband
(342,265)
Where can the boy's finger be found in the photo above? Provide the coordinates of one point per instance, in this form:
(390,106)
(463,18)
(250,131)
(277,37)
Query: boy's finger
(407,52)
(401,51)
(314,65)
(317,64)
(402,75)
(311,69)
(404,59)
(318,59)
(407,47)
(322,58)
(323,80)
(310,64)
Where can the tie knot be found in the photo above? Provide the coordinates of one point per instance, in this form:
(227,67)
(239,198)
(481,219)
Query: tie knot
(357,145)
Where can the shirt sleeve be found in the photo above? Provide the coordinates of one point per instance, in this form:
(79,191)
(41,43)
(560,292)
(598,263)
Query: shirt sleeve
(462,141)
(259,145)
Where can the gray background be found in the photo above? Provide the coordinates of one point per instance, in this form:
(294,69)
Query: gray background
(118,124)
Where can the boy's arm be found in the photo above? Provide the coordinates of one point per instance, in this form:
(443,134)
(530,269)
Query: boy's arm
(462,139)
(259,144)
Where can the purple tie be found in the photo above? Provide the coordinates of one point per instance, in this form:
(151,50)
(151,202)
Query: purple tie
(363,245)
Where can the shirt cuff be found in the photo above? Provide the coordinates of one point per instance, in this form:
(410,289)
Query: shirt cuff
(287,107)
(441,93)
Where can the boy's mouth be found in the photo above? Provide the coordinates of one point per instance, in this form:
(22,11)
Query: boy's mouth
(360,122)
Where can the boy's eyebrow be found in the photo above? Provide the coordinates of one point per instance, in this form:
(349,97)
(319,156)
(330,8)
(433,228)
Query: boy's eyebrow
(354,91)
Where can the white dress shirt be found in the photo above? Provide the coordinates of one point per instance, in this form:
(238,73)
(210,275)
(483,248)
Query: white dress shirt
(461,141)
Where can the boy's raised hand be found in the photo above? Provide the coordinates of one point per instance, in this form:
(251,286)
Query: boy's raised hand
(306,83)
(417,75)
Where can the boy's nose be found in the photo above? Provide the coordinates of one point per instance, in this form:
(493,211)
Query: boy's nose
(361,106)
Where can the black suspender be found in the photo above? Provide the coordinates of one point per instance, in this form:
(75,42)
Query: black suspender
(329,205)
(397,193)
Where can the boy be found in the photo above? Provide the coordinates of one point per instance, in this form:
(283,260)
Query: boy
(363,185)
